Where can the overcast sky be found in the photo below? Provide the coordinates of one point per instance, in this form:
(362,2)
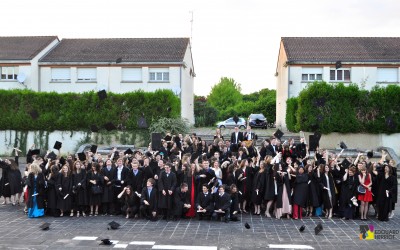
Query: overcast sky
(231,38)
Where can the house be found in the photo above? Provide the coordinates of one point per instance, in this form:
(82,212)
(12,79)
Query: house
(121,65)
(367,61)
(19,56)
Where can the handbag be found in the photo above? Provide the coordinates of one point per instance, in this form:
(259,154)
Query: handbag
(361,189)
(97,189)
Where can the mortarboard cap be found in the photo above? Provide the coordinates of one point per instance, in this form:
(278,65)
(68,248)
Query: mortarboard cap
(345,163)
(113,225)
(246,225)
(35,151)
(82,156)
(313,143)
(128,152)
(52,156)
(62,161)
(106,242)
(149,154)
(34,114)
(302,228)
(318,229)
(338,64)
(94,128)
(93,149)
(317,135)
(342,145)
(370,154)
(278,134)
(142,123)
(57,145)
(45,226)
(102,94)
(109,126)
(236,119)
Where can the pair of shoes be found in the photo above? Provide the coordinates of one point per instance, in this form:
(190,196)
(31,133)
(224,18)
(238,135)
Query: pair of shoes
(71,214)
(91,213)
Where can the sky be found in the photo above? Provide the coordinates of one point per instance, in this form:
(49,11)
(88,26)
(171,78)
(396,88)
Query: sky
(238,39)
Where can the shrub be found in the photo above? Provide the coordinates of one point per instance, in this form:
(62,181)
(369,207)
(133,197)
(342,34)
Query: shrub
(173,125)
(291,111)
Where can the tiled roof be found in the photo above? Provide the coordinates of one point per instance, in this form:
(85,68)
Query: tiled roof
(128,49)
(23,47)
(346,49)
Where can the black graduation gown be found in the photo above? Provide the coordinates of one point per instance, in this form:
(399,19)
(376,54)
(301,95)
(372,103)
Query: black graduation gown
(348,190)
(245,186)
(328,203)
(64,203)
(152,199)
(222,202)
(385,201)
(51,192)
(300,191)
(94,199)
(180,198)
(209,175)
(269,192)
(280,181)
(314,191)
(108,190)
(205,201)
(5,189)
(166,183)
(80,191)
(147,173)
(40,190)
(258,183)
(15,181)
(136,181)
(235,203)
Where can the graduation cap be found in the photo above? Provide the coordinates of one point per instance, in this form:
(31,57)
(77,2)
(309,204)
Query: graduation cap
(113,225)
(82,156)
(318,229)
(35,151)
(313,142)
(102,94)
(109,126)
(142,123)
(45,226)
(278,134)
(128,152)
(246,225)
(342,145)
(57,145)
(94,128)
(345,163)
(338,64)
(236,119)
(302,228)
(93,149)
(119,60)
(62,161)
(106,242)
(317,135)
(149,154)
(370,154)
(34,114)
(52,156)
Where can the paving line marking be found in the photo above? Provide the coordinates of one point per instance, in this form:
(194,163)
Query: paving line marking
(285,246)
(144,243)
(120,245)
(84,238)
(177,247)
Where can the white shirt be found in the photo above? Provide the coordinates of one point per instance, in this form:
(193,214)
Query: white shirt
(119,171)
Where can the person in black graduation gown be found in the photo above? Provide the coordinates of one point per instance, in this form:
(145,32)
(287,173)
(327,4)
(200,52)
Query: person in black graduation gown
(5,190)
(347,199)
(258,188)
(166,185)
(222,204)
(121,180)
(109,176)
(300,193)
(386,192)
(130,202)
(234,210)
(314,198)
(135,177)
(149,201)
(79,188)
(147,171)
(328,188)
(94,178)
(190,180)
(11,181)
(204,204)
(51,190)
(64,191)
(269,187)
(181,201)
(244,179)
(205,176)
(36,191)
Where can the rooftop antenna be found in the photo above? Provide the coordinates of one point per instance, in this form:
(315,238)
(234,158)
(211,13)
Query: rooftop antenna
(191,28)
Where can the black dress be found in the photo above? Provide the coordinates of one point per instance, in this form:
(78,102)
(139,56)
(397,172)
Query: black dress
(314,191)
(4,181)
(269,193)
(245,186)
(301,190)
(64,196)
(40,190)
(385,200)
(348,191)
(79,189)
(328,196)
(108,189)
(52,193)
(258,183)
(94,199)
(166,183)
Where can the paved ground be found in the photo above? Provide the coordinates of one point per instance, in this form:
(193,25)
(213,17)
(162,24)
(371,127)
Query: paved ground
(19,232)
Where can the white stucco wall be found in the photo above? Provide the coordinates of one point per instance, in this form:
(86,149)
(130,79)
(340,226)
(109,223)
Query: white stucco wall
(187,88)
(281,89)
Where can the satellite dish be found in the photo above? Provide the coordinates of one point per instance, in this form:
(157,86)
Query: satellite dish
(21,78)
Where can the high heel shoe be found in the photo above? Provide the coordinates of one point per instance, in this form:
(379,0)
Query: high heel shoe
(77,214)
(71,214)
(91,213)
(96,213)
(83,214)
(267,214)
(62,214)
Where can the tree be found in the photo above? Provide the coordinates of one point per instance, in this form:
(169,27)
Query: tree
(225,94)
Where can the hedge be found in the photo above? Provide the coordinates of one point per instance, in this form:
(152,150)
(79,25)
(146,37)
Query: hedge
(291,111)
(346,109)
(73,111)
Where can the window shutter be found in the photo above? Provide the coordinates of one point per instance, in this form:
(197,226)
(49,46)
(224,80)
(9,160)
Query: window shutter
(132,74)
(86,74)
(60,74)
(387,74)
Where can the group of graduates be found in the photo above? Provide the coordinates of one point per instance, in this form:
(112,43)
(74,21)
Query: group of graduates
(186,178)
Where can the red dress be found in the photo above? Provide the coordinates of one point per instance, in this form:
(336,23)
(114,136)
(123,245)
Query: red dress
(192,212)
(367,197)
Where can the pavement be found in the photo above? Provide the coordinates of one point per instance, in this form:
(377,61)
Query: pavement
(19,232)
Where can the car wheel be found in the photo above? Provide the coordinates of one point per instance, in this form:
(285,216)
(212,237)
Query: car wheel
(222,126)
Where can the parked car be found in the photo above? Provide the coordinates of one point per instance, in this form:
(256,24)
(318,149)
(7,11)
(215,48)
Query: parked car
(230,123)
(257,121)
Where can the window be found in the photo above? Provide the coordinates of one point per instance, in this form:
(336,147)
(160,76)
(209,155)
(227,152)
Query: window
(9,73)
(87,74)
(131,74)
(387,75)
(159,75)
(60,74)
(311,74)
(342,75)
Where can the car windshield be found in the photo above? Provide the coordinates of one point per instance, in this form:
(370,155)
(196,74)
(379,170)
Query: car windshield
(257,116)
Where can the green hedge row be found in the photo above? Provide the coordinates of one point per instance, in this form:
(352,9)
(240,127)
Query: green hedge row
(73,111)
(346,109)
(291,111)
